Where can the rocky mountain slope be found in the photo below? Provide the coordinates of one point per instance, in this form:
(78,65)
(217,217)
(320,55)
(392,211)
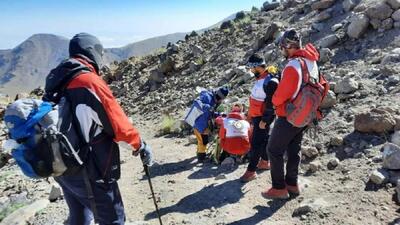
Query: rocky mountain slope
(350,166)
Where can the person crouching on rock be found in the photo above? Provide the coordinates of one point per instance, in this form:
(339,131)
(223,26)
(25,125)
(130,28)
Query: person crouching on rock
(234,133)
(261,95)
(201,114)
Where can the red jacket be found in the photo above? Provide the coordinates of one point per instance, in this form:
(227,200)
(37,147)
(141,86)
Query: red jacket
(107,110)
(290,80)
(237,144)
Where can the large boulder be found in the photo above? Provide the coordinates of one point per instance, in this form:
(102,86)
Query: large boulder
(396,15)
(376,120)
(348,5)
(387,24)
(226,25)
(358,26)
(156,76)
(324,15)
(322,4)
(391,156)
(168,65)
(379,10)
(395,4)
(240,15)
(325,55)
(268,36)
(346,86)
(328,41)
(268,6)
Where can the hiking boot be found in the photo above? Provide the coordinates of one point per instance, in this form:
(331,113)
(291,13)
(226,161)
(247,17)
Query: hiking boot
(274,193)
(201,157)
(263,165)
(293,189)
(248,176)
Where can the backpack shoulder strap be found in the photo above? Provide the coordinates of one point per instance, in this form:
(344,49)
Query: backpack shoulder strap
(304,70)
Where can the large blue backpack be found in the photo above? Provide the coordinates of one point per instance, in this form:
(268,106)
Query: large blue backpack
(48,137)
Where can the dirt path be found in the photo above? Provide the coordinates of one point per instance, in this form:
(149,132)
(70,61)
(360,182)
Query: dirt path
(205,194)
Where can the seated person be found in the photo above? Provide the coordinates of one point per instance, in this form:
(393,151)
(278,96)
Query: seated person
(234,133)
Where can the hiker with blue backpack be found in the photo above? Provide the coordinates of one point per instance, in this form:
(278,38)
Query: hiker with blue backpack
(261,113)
(72,135)
(200,117)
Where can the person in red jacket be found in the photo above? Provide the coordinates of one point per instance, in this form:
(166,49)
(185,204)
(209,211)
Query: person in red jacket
(102,123)
(285,137)
(234,133)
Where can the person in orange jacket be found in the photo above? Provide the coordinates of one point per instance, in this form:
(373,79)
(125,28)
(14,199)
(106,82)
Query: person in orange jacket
(285,137)
(261,95)
(234,133)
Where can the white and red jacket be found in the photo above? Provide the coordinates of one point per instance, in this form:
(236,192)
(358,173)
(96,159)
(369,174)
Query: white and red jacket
(235,133)
(291,79)
(257,97)
(102,121)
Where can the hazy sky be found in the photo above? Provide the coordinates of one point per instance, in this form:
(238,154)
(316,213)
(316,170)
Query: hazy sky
(115,22)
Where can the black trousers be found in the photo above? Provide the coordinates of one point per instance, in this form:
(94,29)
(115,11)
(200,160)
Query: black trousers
(284,138)
(258,144)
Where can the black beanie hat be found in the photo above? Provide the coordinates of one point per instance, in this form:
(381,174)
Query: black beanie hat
(221,93)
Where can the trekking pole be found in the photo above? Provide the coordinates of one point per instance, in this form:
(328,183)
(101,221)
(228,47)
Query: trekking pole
(146,170)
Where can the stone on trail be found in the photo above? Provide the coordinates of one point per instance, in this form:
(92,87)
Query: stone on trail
(310,152)
(23,215)
(55,192)
(391,156)
(333,163)
(314,166)
(346,86)
(220,177)
(329,101)
(379,177)
(336,141)
(310,206)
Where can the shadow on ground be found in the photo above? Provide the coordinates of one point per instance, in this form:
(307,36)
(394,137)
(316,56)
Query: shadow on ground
(263,213)
(172,168)
(214,195)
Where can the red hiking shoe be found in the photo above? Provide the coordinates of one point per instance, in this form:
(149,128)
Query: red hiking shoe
(273,193)
(263,165)
(248,176)
(293,189)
